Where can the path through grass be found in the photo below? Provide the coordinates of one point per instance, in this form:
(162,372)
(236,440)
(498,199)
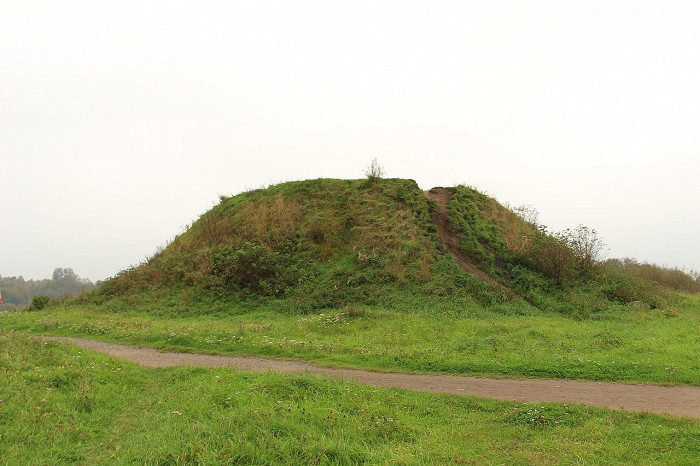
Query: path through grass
(63,405)
(643,345)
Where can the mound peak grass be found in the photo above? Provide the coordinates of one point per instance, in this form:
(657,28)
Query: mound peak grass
(328,243)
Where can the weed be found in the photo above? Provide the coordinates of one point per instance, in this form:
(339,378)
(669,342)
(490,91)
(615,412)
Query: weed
(374,171)
(545,415)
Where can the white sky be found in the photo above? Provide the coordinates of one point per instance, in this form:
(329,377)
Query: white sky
(123,121)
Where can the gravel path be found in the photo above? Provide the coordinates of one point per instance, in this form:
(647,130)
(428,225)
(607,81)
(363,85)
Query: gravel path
(680,400)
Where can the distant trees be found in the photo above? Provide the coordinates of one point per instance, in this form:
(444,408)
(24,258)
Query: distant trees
(39,303)
(687,281)
(65,282)
(15,293)
(18,292)
(61,275)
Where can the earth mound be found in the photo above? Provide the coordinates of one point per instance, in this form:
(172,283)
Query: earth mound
(323,243)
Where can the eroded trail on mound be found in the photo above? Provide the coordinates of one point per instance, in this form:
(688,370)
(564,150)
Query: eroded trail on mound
(684,400)
(450,240)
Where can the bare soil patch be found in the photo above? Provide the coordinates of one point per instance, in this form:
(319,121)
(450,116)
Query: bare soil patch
(680,400)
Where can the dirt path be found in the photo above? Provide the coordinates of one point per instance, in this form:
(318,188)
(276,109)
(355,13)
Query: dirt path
(450,240)
(684,400)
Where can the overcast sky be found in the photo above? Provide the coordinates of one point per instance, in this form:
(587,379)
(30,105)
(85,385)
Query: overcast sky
(123,121)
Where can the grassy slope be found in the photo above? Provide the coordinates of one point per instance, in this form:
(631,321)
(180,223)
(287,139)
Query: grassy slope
(539,267)
(315,244)
(61,405)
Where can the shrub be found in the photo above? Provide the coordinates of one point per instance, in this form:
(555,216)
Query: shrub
(252,268)
(586,245)
(248,266)
(374,171)
(524,279)
(528,213)
(551,256)
(622,287)
(39,303)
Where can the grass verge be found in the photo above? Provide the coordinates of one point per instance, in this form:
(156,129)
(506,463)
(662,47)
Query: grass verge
(620,345)
(63,405)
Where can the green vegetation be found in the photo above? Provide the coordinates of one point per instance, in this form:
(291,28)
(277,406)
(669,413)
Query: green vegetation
(365,273)
(359,273)
(317,244)
(62,405)
(18,292)
(623,343)
(687,281)
(559,272)
(39,303)
(324,244)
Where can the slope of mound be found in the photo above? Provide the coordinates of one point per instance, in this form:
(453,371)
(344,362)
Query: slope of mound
(330,243)
(452,239)
(324,242)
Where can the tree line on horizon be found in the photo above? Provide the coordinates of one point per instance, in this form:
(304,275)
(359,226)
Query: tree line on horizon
(679,279)
(64,282)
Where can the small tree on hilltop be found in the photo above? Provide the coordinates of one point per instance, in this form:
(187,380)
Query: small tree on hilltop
(374,171)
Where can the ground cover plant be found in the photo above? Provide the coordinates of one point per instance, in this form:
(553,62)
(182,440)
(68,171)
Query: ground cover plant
(625,343)
(63,405)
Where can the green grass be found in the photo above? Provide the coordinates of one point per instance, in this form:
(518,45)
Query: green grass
(63,405)
(621,344)
(316,243)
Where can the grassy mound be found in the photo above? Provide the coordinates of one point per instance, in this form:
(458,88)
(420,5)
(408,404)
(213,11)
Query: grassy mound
(329,243)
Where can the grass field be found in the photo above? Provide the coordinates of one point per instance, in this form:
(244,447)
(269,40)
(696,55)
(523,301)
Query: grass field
(61,405)
(622,344)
